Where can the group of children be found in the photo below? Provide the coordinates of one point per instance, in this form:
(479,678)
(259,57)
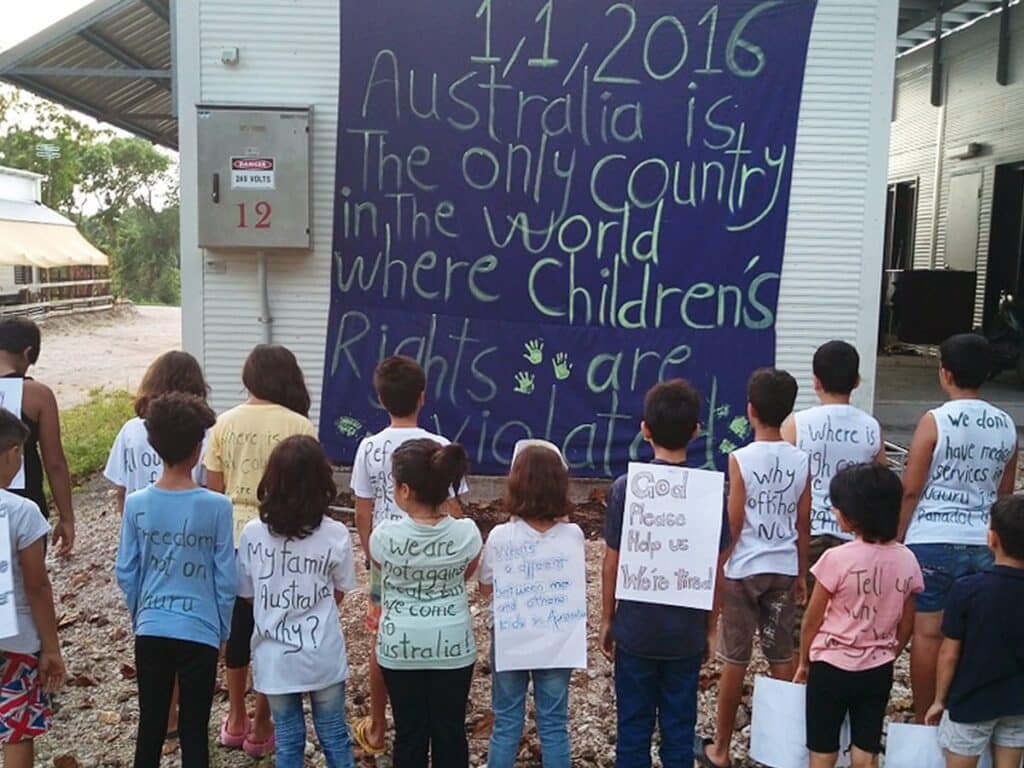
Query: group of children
(227,543)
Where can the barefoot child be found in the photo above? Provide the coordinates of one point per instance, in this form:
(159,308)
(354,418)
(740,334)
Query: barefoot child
(401,385)
(766,567)
(980,696)
(296,550)
(425,646)
(19,350)
(537,501)
(236,456)
(962,458)
(858,619)
(31,667)
(175,565)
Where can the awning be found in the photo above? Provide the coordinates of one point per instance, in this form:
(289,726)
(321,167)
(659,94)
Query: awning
(48,246)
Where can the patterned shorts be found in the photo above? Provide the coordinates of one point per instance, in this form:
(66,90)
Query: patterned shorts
(373,606)
(24,708)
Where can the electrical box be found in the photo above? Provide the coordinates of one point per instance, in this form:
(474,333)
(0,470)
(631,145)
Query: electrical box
(254,177)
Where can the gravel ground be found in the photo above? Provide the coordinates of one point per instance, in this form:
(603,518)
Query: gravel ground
(98,711)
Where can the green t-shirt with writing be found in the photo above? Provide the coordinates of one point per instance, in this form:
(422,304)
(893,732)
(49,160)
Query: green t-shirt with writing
(425,621)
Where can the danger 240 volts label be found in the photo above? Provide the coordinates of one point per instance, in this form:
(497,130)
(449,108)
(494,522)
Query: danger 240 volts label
(252,173)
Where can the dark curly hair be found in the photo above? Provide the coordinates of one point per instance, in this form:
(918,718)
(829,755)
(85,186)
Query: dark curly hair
(176,424)
(538,486)
(432,472)
(171,372)
(297,488)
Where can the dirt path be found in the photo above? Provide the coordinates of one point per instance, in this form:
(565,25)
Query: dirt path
(107,350)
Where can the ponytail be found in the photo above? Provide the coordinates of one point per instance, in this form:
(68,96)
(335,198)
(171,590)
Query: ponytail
(432,471)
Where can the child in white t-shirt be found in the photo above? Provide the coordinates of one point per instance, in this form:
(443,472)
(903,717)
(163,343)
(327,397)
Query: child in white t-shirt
(401,386)
(766,566)
(31,667)
(537,500)
(295,565)
(133,464)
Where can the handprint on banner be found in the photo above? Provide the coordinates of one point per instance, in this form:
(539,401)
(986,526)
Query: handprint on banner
(562,366)
(348,426)
(535,351)
(524,383)
(740,426)
(727,446)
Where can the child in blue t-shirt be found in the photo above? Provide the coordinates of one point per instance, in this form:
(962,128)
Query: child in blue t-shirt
(979,695)
(657,649)
(176,567)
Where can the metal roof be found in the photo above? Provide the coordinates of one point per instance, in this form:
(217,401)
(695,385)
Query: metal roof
(111,60)
(917,18)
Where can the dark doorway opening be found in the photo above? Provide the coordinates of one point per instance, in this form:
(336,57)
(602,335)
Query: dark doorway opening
(1005,272)
(900,233)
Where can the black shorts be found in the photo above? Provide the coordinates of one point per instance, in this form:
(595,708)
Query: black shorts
(834,693)
(239,649)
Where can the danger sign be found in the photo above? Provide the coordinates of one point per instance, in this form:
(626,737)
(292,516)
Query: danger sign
(252,173)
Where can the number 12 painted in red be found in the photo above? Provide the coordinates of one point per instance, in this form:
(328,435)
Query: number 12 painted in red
(262,210)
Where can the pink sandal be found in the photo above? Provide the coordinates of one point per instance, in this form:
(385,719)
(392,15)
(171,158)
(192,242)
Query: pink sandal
(231,740)
(258,749)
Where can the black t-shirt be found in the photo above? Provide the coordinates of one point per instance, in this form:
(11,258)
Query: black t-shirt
(985,612)
(646,629)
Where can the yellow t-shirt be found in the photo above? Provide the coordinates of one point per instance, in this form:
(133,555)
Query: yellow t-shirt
(240,445)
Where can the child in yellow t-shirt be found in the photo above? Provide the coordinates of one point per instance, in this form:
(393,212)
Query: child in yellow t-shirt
(240,446)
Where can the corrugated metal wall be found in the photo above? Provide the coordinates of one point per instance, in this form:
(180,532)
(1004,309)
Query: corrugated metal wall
(289,54)
(977,109)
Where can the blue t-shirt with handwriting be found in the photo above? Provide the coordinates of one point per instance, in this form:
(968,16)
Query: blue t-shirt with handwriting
(646,629)
(984,613)
(176,564)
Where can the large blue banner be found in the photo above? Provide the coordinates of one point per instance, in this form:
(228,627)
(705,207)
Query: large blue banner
(553,204)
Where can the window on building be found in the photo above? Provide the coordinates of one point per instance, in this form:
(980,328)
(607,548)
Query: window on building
(23,275)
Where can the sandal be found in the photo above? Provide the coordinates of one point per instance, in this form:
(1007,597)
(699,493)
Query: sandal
(361,733)
(231,740)
(700,753)
(258,749)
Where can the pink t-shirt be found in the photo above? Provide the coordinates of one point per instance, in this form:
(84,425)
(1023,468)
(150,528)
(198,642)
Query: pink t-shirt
(869,584)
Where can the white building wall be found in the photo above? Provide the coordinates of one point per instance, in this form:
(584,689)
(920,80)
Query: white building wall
(289,56)
(976,109)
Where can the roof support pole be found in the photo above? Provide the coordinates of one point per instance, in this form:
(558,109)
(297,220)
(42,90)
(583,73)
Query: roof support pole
(1003,56)
(937,59)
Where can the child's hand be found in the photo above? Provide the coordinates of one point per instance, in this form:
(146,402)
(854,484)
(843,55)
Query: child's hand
(800,591)
(801,675)
(934,714)
(51,671)
(711,646)
(64,537)
(606,641)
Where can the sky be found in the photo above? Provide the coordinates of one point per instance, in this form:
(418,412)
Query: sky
(23,20)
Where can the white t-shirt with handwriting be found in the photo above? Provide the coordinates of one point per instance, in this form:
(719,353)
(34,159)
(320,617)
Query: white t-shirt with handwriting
(371,470)
(774,477)
(133,464)
(26,526)
(297,644)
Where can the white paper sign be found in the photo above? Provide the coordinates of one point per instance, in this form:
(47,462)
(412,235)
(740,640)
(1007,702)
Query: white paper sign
(11,394)
(540,606)
(671,528)
(778,726)
(8,610)
(917,746)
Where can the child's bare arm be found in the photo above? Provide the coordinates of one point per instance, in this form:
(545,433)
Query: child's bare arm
(915,474)
(215,481)
(120,492)
(56,465)
(454,507)
(789,429)
(803,541)
(1006,485)
(736,506)
(813,617)
(364,524)
(906,627)
(486,590)
(471,568)
(949,657)
(609,573)
(39,594)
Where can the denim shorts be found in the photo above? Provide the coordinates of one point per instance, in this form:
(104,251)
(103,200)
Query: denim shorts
(972,739)
(943,564)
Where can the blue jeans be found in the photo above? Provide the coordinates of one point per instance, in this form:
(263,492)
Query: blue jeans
(655,690)
(328,719)
(551,697)
(943,564)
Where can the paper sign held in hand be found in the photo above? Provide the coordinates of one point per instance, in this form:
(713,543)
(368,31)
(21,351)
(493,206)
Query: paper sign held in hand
(671,529)
(8,610)
(11,394)
(917,746)
(778,726)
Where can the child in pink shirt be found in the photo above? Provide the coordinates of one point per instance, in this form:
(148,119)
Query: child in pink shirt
(859,617)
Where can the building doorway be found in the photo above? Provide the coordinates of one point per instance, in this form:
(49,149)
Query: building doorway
(900,234)
(1006,243)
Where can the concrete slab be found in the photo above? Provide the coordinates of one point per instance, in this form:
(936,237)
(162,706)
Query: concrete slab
(908,386)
